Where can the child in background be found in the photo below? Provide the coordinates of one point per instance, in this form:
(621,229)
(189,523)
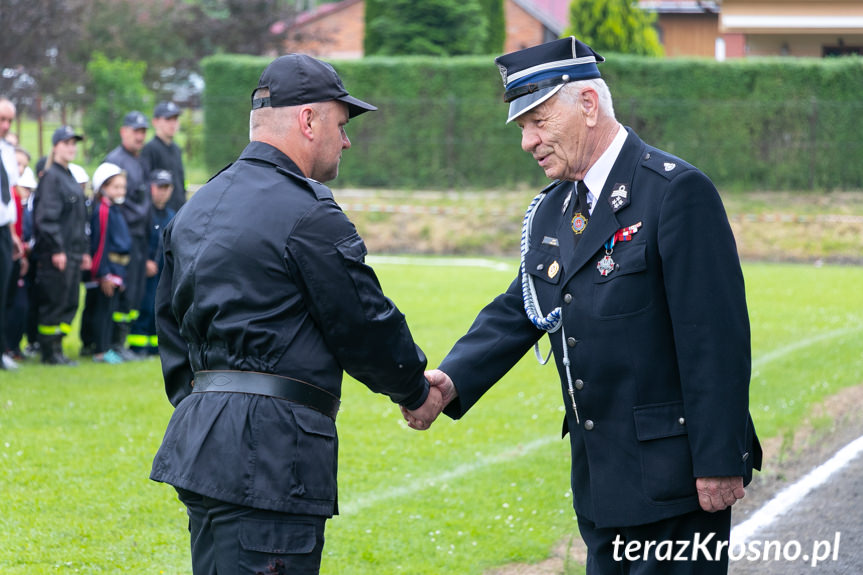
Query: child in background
(143,339)
(110,243)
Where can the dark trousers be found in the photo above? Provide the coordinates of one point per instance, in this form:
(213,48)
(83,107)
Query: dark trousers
(5,272)
(103,319)
(88,319)
(16,309)
(231,539)
(684,545)
(58,294)
(136,278)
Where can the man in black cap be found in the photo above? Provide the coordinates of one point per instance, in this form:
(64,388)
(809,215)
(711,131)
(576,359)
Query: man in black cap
(630,266)
(143,339)
(264,300)
(136,212)
(61,248)
(162,153)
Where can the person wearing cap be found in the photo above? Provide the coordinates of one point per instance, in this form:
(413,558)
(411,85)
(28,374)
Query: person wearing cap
(143,339)
(110,249)
(630,266)
(265,299)
(135,209)
(61,245)
(162,153)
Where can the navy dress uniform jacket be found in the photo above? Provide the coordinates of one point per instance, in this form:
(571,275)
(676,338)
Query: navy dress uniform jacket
(263,272)
(659,347)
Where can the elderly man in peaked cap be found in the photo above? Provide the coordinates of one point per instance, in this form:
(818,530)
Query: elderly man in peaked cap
(264,300)
(629,264)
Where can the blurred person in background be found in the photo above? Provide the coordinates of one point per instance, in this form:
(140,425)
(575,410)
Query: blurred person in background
(18,301)
(110,246)
(135,209)
(163,153)
(143,339)
(61,246)
(11,248)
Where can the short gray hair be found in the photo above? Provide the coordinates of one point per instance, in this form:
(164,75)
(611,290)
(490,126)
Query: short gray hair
(571,90)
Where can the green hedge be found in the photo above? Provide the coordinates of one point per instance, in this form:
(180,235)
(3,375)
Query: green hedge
(778,124)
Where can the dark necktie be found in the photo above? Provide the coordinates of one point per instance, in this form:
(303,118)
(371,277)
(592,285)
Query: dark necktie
(582,212)
(4,184)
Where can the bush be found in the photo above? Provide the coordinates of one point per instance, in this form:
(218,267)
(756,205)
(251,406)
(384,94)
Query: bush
(785,124)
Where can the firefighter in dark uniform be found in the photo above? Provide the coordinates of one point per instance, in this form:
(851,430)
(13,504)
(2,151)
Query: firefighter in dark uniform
(136,211)
(163,153)
(630,266)
(61,248)
(264,301)
(143,339)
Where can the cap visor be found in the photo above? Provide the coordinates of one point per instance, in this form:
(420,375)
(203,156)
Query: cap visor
(526,103)
(356,106)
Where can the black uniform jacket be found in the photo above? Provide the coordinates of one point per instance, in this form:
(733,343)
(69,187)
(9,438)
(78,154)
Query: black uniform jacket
(659,347)
(136,208)
(264,272)
(59,215)
(159,155)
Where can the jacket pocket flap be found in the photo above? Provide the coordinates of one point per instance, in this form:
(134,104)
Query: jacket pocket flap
(544,265)
(277,537)
(352,248)
(659,420)
(314,422)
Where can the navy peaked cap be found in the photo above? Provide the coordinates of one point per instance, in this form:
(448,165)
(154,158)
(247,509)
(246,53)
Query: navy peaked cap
(533,75)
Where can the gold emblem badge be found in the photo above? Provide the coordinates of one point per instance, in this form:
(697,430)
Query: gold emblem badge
(553,269)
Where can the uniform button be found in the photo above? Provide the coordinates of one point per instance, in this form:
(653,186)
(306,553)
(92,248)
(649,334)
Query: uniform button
(588,425)
(647,156)
(579,384)
(681,421)
(567,298)
(540,266)
(745,456)
(571,341)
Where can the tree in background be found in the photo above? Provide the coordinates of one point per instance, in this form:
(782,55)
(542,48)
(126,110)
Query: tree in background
(493,10)
(614,26)
(121,89)
(433,27)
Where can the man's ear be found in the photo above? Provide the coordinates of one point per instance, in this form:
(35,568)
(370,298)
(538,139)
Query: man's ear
(589,101)
(305,118)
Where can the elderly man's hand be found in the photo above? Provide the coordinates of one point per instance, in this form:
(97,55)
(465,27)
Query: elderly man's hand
(717,493)
(441,392)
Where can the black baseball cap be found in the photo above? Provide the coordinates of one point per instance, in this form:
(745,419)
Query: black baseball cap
(64,133)
(135,120)
(166,110)
(296,79)
(161,178)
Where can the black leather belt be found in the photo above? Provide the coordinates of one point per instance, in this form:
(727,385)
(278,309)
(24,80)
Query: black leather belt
(268,384)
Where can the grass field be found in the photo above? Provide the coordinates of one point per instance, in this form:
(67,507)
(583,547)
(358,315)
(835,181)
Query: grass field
(493,488)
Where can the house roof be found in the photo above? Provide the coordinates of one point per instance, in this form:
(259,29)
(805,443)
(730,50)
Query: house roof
(680,6)
(553,14)
(321,11)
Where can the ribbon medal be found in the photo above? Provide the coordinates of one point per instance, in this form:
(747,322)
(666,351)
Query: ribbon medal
(606,265)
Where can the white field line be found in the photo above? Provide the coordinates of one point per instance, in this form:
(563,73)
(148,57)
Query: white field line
(443,262)
(364,501)
(793,494)
(766,515)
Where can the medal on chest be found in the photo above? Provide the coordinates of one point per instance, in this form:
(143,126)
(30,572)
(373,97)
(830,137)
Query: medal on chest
(579,222)
(606,265)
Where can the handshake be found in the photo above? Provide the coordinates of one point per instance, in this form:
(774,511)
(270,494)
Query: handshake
(441,392)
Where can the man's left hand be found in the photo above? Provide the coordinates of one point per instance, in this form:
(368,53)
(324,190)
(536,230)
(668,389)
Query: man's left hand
(717,493)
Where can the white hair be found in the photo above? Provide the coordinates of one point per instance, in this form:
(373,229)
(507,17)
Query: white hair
(571,91)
